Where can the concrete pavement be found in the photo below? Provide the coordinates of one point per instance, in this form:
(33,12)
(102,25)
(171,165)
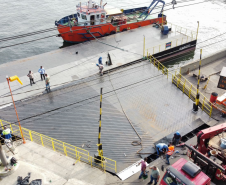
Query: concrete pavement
(54,168)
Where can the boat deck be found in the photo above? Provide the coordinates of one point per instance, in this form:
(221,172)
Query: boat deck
(131,18)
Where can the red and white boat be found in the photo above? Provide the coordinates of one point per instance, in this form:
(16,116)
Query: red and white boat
(94,20)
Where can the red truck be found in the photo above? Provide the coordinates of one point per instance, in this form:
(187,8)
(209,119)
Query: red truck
(184,172)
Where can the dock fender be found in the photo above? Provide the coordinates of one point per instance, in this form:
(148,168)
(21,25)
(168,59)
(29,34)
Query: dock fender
(125,29)
(113,32)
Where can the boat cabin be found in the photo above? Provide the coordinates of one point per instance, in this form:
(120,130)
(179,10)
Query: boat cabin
(91,14)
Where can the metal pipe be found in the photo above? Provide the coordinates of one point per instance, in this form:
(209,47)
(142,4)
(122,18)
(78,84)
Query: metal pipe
(16,112)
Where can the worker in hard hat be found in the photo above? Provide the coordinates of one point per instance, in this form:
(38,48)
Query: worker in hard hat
(176,138)
(169,153)
(161,148)
(6,133)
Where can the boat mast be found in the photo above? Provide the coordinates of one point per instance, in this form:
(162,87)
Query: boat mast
(101,3)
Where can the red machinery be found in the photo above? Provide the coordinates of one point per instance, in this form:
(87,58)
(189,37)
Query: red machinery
(184,172)
(205,148)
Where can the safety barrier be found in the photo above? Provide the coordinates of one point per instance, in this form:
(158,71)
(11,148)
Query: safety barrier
(184,85)
(190,90)
(69,150)
(189,36)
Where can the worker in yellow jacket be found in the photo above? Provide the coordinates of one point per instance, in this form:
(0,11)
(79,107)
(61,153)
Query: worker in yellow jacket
(169,153)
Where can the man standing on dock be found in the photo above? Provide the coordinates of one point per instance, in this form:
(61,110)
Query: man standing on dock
(154,175)
(31,77)
(42,72)
(47,81)
(176,138)
(169,153)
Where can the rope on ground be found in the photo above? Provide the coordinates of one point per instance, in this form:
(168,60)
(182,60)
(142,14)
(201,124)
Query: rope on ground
(134,143)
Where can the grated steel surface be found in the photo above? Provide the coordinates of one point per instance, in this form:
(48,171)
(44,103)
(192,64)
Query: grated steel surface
(155,107)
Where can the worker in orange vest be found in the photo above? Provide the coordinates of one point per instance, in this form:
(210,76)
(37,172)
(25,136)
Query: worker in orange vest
(169,153)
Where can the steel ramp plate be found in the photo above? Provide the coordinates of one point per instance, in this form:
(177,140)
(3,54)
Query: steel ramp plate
(131,170)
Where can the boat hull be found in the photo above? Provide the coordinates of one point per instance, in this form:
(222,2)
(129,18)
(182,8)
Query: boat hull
(78,34)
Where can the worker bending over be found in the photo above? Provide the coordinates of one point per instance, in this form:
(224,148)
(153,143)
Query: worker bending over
(7,133)
(161,148)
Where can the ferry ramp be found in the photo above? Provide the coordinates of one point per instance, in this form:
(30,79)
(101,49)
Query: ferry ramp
(70,113)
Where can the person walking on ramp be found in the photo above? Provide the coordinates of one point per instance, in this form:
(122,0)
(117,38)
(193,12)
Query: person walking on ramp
(42,72)
(31,77)
(100,65)
(143,168)
(47,81)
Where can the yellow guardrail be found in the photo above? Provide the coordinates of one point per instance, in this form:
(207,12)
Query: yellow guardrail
(184,85)
(69,150)
(190,36)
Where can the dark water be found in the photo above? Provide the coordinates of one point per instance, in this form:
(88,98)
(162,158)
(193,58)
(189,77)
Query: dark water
(23,16)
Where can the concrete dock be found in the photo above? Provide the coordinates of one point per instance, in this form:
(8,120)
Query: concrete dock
(70,112)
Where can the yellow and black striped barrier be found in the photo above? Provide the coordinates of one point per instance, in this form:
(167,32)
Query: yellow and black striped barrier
(100,150)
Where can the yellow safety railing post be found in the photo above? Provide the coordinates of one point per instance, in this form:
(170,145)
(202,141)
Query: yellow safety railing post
(167,73)
(65,149)
(159,47)
(158,65)
(76,152)
(41,140)
(184,85)
(30,135)
(178,81)
(91,161)
(203,103)
(154,61)
(186,31)
(172,78)
(190,92)
(53,145)
(1,124)
(211,110)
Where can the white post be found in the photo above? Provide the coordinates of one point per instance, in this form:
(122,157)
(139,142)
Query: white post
(90,4)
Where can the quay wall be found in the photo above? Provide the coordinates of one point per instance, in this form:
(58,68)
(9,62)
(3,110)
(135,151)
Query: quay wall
(195,64)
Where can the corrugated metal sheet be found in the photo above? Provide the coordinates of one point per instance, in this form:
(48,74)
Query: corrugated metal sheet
(155,107)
